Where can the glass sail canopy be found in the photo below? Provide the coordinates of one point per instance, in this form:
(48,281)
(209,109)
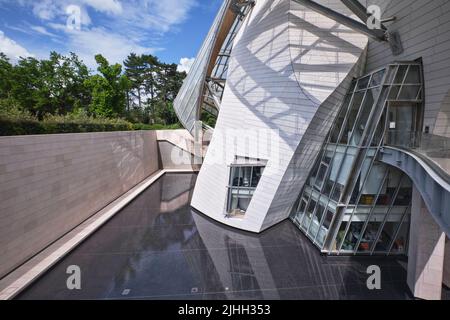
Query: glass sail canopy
(352,203)
(203,87)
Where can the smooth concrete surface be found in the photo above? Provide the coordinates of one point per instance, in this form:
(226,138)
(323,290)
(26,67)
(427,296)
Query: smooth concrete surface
(51,183)
(426,252)
(446,273)
(21,277)
(177,150)
(157,247)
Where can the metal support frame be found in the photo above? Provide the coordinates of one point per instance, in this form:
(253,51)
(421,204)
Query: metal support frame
(379,35)
(359,10)
(366,147)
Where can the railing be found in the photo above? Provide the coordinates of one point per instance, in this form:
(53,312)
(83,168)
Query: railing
(432,147)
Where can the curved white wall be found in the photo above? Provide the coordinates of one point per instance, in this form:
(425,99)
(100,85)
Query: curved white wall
(289,70)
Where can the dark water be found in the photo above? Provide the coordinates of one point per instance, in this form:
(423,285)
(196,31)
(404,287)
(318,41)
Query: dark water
(159,248)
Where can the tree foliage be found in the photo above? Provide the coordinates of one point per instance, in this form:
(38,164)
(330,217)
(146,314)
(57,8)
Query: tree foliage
(142,92)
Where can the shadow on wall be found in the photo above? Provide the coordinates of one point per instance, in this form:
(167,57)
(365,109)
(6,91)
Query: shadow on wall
(247,61)
(442,126)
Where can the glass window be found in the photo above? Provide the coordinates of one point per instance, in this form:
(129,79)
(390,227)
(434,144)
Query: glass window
(393,93)
(363,83)
(316,220)
(323,231)
(369,236)
(237,176)
(334,135)
(413,76)
(366,108)
(320,176)
(308,216)
(256,175)
(377,78)
(400,74)
(400,243)
(409,92)
(353,113)
(404,194)
(353,235)
(388,233)
(243,183)
(391,73)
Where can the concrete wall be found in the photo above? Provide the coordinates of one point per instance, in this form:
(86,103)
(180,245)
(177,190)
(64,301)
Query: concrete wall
(285,75)
(424,26)
(176,149)
(426,252)
(51,183)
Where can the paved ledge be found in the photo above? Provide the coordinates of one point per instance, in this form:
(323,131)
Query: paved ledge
(16,281)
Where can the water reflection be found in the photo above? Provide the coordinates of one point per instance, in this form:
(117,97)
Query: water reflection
(159,248)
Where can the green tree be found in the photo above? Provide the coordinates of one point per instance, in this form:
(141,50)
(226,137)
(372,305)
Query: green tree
(53,86)
(108,89)
(5,76)
(135,70)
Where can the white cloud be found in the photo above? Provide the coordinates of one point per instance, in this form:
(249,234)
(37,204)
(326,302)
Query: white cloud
(111,27)
(185,64)
(42,30)
(89,42)
(12,49)
(106,6)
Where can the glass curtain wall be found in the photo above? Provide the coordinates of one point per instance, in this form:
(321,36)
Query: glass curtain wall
(215,83)
(243,182)
(351,203)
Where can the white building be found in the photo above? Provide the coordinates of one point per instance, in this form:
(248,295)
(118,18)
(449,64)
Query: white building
(341,127)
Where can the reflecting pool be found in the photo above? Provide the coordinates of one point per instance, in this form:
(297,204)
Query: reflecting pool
(159,248)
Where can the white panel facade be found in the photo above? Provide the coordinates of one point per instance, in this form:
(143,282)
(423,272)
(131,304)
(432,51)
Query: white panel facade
(424,27)
(289,70)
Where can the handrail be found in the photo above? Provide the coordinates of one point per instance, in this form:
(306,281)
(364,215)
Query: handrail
(431,148)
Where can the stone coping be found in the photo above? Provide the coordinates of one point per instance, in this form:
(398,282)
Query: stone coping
(16,281)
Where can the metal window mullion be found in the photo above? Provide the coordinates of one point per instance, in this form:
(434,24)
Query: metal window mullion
(360,107)
(402,220)
(366,223)
(347,113)
(365,133)
(377,237)
(307,198)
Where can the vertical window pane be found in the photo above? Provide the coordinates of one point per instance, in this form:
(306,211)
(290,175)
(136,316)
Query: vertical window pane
(363,83)
(377,78)
(366,108)
(340,120)
(237,176)
(388,233)
(256,175)
(413,76)
(246,176)
(399,245)
(353,236)
(400,74)
(353,113)
(316,219)
(323,232)
(308,216)
(409,93)
(393,93)
(320,176)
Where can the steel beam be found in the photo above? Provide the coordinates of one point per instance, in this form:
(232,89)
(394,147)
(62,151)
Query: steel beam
(359,10)
(378,35)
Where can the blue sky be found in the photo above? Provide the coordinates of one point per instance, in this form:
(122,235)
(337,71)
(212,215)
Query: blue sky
(173,30)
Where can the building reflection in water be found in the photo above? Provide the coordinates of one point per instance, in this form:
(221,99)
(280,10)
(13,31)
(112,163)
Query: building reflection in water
(158,247)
